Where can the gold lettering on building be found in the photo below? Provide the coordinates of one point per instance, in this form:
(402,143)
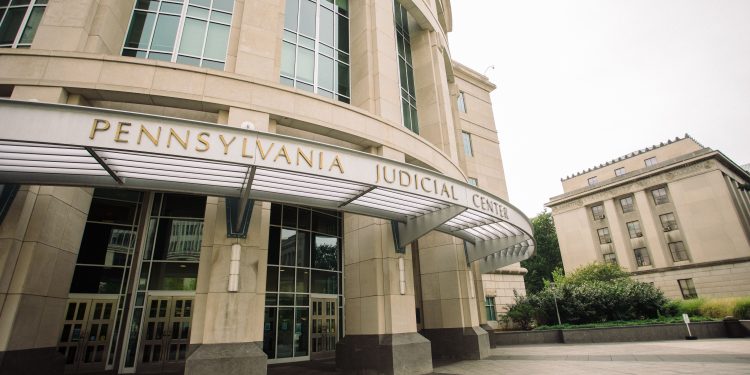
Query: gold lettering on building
(202,139)
(95,127)
(282,151)
(225,143)
(244,149)
(489,205)
(120,131)
(263,154)
(337,164)
(182,142)
(308,160)
(390,175)
(154,140)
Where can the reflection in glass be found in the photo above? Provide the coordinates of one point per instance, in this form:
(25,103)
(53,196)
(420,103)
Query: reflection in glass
(301,332)
(325,252)
(269,332)
(285,332)
(288,246)
(173,276)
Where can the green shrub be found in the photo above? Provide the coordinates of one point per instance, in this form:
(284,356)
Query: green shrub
(521,313)
(742,308)
(596,293)
(718,308)
(690,306)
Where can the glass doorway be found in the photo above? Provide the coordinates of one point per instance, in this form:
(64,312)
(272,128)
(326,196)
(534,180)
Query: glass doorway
(87,333)
(130,303)
(166,334)
(324,333)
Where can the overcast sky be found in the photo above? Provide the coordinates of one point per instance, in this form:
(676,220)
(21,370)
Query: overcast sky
(583,82)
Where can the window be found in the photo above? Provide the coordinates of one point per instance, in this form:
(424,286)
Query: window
(660,196)
(593,181)
(650,161)
(461,102)
(19,20)
(641,257)
(668,222)
(610,258)
(626,204)
(196,33)
(597,212)
(405,68)
(634,229)
(678,251)
(620,171)
(687,288)
(468,148)
(315,50)
(489,305)
(473,181)
(604,237)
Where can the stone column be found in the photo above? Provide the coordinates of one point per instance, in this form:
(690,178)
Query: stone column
(381,327)
(451,319)
(227,333)
(374,67)
(39,241)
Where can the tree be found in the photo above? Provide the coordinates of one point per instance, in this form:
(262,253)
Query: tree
(547,257)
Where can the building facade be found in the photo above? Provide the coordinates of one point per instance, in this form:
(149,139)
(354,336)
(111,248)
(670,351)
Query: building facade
(210,186)
(675,215)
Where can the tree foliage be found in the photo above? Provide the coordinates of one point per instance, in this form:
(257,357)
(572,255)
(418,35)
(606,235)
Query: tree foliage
(593,294)
(547,257)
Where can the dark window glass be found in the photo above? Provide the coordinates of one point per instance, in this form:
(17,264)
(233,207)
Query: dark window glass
(173,276)
(269,332)
(303,281)
(286,279)
(11,24)
(679,253)
(290,217)
(180,205)
(303,249)
(274,242)
(110,211)
(641,257)
(285,332)
(323,223)
(324,282)
(301,332)
(272,279)
(288,247)
(178,240)
(92,279)
(304,218)
(106,244)
(687,288)
(275,214)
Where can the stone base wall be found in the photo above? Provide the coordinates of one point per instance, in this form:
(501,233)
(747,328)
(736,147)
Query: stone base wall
(725,280)
(657,332)
(501,286)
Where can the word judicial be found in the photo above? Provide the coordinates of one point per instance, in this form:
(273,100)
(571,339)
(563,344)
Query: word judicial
(202,141)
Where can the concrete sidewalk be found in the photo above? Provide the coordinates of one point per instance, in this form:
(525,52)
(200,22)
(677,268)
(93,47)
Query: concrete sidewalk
(708,356)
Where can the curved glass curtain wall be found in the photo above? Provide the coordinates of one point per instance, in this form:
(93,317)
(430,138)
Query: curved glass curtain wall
(19,20)
(304,258)
(405,68)
(193,32)
(315,50)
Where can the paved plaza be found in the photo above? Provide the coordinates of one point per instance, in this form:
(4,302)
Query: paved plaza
(710,356)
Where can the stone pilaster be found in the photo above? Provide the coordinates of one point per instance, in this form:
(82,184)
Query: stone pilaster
(381,328)
(449,298)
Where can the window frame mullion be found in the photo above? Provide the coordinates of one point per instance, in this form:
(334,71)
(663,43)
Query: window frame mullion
(22,26)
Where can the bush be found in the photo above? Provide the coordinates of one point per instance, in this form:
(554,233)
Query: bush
(521,313)
(596,293)
(691,307)
(742,308)
(718,308)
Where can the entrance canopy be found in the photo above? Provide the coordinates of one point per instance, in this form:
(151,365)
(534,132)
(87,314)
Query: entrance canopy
(54,144)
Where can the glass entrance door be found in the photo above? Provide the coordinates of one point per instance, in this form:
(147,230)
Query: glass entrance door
(166,334)
(324,318)
(87,333)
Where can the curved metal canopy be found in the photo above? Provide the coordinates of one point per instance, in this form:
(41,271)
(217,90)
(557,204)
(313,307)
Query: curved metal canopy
(54,144)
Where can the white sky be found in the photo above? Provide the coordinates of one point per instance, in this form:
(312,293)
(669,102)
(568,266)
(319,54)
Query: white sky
(583,82)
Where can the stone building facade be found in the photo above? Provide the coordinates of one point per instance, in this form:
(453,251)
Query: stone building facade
(210,186)
(676,215)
